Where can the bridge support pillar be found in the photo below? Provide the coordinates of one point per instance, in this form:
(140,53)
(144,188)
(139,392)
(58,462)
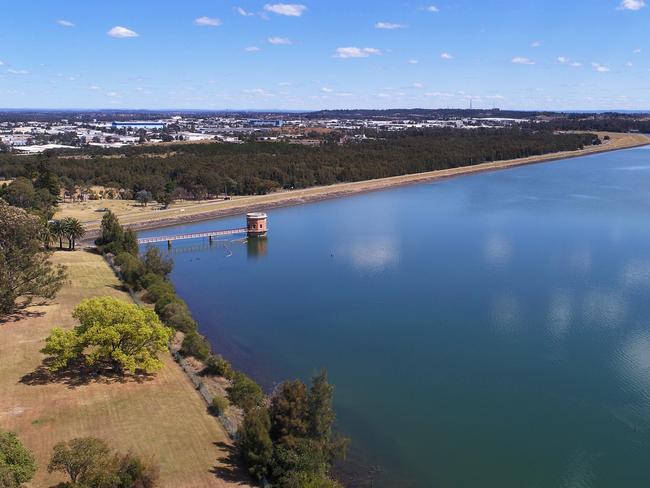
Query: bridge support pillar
(169,244)
(210,239)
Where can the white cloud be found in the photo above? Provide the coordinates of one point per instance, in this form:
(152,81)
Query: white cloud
(326,89)
(631,5)
(257,92)
(446,56)
(568,62)
(388,26)
(629,64)
(120,32)
(243,12)
(418,85)
(94,87)
(279,40)
(522,60)
(252,49)
(112,94)
(433,8)
(356,52)
(64,23)
(413,61)
(1,63)
(207,21)
(637,51)
(288,9)
(17,71)
(536,44)
(600,68)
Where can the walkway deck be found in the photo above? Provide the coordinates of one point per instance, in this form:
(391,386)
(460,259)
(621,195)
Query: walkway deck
(195,235)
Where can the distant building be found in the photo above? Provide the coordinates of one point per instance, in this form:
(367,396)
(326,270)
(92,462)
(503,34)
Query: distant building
(138,125)
(265,123)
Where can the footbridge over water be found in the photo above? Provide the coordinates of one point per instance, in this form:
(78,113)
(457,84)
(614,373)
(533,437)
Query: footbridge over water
(256,226)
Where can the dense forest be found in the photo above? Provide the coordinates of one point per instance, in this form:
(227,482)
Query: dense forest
(201,170)
(609,122)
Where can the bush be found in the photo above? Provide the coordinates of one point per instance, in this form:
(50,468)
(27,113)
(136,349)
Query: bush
(182,321)
(164,300)
(158,289)
(219,366)
(131,268)
(244,392)
(218,406)
(149,279)
(155,262)
(195,345)
(172,309)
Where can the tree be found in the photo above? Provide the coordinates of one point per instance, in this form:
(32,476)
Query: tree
(114,238)
(131,269)
(69,186)
(21,193)
(289,412)
(17,464)
(130,242)
(321,411)
(57,231)
(111,333)
(26,273)
(79,458)
(73,230)
(155,263)
(255,443)
(194,344)
(144,197)
(111,229)
(165,198)
(128,471)
(244,392)
(90,463)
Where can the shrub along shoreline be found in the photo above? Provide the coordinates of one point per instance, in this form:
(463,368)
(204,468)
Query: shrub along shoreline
(286,438)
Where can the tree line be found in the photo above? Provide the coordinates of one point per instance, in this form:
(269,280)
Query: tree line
(202,170)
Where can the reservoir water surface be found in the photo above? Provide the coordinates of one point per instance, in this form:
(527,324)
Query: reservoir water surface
(486,330)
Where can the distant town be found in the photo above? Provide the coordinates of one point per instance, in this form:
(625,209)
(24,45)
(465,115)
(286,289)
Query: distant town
(27,133)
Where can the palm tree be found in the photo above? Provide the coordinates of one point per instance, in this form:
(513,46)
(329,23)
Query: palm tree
(73,230)
(56,230)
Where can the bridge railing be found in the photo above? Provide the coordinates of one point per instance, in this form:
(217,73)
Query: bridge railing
(194,235)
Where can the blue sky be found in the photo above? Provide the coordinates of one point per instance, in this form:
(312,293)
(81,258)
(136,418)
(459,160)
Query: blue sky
(221,54)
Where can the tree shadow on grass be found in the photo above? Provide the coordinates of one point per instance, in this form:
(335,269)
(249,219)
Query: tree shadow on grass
(20,315)
(78,373)
(230,467)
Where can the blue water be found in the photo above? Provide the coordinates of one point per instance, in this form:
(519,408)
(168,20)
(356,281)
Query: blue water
(487,330)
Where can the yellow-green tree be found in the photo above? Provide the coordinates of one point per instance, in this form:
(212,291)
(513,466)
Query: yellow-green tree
(111,334)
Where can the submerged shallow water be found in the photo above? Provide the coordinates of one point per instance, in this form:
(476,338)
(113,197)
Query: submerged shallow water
(487,330)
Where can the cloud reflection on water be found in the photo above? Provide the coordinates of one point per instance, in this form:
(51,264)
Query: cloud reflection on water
(372,254)
(498,250)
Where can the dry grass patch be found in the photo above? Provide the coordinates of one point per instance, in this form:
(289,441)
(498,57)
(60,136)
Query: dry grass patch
(161,416)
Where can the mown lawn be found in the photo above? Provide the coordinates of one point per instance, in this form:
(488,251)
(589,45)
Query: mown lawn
(163,417)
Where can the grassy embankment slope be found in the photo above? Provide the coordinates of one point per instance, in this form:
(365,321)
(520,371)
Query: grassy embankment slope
(163,417)
(138,217)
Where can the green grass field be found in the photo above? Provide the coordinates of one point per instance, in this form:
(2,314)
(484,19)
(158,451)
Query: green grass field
(163,417)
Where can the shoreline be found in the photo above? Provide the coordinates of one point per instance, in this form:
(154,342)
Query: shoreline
(289,198)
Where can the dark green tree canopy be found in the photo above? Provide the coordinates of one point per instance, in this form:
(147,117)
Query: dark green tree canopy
(26,273)
(17,464)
